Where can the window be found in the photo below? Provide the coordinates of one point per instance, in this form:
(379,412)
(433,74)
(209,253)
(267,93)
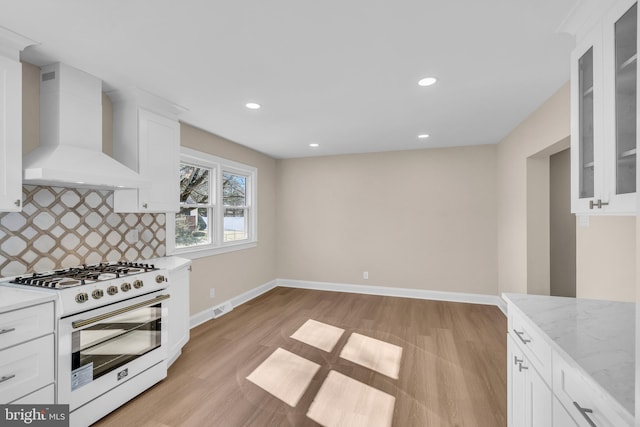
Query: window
(192,222)
(217,206)
(234,199)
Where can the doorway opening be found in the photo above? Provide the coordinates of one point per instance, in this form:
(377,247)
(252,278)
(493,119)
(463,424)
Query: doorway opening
(551,241)
(562,227)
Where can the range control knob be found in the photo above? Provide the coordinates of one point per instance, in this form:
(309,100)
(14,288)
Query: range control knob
(138,284)
(112,290)
(82,297)
(160,278)
(97,294)
(126,287)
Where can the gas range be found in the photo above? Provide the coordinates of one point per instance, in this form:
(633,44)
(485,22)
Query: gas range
(87,287)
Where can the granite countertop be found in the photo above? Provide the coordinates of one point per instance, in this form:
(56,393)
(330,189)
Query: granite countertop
(13,299)
(598,335)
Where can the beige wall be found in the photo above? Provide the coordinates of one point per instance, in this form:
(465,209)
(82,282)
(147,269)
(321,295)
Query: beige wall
(30,107)
(544,127)
(563,230)
(421,219)
(233,273)
(605,251)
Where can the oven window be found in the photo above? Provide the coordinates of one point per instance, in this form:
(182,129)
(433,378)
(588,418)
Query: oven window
(115,341)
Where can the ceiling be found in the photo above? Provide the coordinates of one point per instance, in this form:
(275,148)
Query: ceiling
(342,74)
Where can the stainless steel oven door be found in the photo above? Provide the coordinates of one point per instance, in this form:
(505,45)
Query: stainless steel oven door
(100,349)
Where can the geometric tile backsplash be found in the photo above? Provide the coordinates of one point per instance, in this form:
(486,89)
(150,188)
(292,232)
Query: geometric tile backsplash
(66,227)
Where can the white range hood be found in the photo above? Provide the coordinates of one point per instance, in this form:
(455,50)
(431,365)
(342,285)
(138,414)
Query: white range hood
(70,152)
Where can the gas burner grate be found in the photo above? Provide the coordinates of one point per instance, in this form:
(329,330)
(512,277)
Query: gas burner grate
(75,276)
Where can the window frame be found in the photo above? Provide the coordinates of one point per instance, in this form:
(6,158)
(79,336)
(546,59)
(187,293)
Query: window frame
(248,190)
(218,166)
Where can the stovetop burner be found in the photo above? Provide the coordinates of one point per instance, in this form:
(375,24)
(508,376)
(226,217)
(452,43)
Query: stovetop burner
(76,276)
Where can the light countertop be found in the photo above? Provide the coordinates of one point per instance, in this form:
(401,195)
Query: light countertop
(169,262)
(598,335)
(13,299)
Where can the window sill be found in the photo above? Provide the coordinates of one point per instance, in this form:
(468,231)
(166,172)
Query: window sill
(205,252)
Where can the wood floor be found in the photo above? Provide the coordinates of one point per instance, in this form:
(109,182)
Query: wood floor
(452,373)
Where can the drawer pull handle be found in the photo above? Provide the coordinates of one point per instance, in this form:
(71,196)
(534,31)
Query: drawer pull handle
(521,367)
(520,334)
(585,412)
(6,377)
(4,331)
(516,360)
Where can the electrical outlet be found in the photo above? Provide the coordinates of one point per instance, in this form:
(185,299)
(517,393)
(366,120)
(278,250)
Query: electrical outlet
(365,274)
(212,293)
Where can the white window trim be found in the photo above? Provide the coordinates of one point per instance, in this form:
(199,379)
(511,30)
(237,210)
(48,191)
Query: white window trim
(218,246)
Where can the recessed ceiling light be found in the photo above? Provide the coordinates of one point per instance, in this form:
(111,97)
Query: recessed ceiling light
(427,81)
(314,145)
(252,105)
(423,136)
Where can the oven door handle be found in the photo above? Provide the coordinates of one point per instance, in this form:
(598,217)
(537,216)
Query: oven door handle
(84,322)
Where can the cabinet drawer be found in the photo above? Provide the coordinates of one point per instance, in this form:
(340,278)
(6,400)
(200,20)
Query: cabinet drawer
(44,396)
(25,324)
(561,417)
(583,400)
(26,367)
(532,344)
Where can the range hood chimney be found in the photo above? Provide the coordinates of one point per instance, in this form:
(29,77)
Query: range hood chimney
(70,152)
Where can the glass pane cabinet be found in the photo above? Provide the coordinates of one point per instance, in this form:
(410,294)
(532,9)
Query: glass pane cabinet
(604,112)
(626,36)
(585,105)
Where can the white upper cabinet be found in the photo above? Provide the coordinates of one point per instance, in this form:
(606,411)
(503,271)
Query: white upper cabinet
(604,80)
(10,135)
(146,138)
(586,121)
(11,120)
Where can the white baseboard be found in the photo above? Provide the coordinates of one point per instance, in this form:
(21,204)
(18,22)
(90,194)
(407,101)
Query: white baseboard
(398,292)
(253,293)
(207,314)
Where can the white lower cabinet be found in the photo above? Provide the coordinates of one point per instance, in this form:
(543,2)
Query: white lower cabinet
(26,367)
(582,399)
(561,417)
(45,395)
(27,355)
(178,310)
(553,391)
(529,396)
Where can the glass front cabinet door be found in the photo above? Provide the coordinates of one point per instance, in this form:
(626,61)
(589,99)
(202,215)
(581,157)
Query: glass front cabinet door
(604,80)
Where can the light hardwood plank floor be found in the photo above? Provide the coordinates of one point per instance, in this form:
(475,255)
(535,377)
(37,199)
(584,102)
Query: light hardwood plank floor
(452,370)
